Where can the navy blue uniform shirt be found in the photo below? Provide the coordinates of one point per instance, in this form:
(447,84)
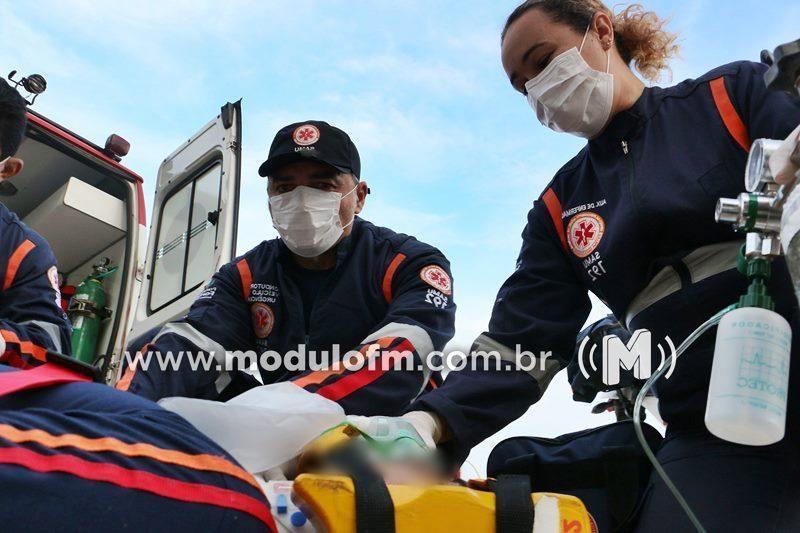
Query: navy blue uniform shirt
(387,290)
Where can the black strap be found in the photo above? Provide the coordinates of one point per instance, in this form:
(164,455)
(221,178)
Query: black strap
(513,504)
(623,483)
(374,506)
(619,470)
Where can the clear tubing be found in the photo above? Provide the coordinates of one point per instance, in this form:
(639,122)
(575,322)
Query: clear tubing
(637,409)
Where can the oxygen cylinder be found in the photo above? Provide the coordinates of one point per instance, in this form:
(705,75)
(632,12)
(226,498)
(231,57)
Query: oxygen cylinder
(87,310)
(750,377)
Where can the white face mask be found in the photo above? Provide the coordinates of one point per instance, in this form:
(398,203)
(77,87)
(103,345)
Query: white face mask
(307,219)
(570,96)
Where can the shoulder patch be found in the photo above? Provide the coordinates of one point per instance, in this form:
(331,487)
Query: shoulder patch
(263,319)
(436,277)
(584,232)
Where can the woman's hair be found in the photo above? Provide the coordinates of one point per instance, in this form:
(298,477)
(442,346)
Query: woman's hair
(640,36)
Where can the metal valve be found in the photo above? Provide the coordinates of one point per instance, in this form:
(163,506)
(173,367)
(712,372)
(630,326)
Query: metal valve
(750,212)
(757,212)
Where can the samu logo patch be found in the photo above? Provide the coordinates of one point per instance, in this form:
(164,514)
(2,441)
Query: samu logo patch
(584,233)
(436,277)
(263,319)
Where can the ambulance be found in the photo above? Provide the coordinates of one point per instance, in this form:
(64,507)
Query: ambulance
(91,209)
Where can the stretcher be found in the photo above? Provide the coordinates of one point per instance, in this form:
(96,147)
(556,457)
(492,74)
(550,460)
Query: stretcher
(358,501)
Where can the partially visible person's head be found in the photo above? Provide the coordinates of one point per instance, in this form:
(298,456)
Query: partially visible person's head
(12,129)
(314,186)
(539,30)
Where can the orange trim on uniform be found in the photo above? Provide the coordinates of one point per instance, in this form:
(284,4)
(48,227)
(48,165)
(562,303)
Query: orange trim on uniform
(553,206)
(246,277)
(433,383)
(360,379)
(138,480)
(125,381)
(389,276)
(16,259)
(733,122)
(319,376)
(204,462)
(27,347)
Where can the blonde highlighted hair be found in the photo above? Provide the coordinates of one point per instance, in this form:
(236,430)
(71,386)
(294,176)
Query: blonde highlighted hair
(640,36)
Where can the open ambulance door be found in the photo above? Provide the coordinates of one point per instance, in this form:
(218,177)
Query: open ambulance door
(193,228)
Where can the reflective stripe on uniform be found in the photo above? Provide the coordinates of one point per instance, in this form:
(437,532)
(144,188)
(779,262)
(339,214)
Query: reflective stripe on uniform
(204,342)
(416,335)
(542,371)
(701,263)
(52,330)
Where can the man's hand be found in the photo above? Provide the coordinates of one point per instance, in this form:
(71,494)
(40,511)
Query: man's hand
(421,426)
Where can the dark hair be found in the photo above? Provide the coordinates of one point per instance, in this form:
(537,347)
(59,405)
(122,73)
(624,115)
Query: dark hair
(640,37)
(12,120)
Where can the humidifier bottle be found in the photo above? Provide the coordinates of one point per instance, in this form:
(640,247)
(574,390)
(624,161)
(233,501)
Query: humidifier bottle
(750,372)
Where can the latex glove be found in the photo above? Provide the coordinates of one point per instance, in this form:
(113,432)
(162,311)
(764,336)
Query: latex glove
(406,463)
(425,427)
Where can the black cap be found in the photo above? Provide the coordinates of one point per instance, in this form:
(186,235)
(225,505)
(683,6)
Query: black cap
(312,139)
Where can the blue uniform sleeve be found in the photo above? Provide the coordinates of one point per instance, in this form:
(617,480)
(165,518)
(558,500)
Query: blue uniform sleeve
(403,351)
(537,315)
(31,318)
(187,357)
(766,114)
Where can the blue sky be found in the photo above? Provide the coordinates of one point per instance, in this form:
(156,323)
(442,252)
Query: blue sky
(451,153)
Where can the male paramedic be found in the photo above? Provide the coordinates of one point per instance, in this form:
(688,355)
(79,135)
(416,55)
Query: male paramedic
(77,455)
(331,279)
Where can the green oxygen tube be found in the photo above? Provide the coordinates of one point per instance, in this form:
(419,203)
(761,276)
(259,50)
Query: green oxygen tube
(87,310)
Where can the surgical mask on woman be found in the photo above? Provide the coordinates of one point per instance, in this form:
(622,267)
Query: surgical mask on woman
(307,219)
(570,96)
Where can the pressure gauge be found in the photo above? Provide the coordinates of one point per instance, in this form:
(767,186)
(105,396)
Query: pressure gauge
(757,172)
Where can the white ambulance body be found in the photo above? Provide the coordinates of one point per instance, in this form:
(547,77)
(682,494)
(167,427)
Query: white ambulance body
(88,206)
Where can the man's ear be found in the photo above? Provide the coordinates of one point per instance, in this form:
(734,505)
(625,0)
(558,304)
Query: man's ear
(361,195)
(11,168)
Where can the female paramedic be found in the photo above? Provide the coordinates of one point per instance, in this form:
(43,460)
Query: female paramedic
(631,219)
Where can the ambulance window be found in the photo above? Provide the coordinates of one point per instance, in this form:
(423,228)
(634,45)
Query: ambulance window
(187,238)
(203,236)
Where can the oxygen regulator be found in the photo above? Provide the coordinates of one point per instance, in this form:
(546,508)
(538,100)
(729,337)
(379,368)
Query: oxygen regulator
(769,212)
